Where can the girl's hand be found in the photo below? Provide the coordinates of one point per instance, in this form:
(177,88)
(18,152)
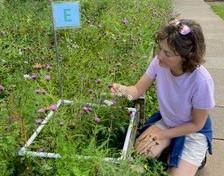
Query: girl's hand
(118,89)
(146,141)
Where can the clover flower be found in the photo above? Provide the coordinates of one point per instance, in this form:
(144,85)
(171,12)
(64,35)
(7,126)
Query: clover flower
(48,66)
(47,77)
(53,107)
(97,119)
(125,21)
(38,121)
(34,77)
(87,109)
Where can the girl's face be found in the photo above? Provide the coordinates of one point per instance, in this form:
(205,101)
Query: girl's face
(169,59)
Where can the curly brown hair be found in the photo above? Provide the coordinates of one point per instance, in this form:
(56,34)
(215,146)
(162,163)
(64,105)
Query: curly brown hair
(191,46)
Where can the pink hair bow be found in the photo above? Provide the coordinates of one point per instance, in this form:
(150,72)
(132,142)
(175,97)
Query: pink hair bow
(183,29)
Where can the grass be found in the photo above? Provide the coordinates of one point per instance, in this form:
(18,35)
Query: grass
(114,44)
(219,9)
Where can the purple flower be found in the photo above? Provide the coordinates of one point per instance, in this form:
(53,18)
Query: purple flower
(125,21)
(1,88)
(53,107)
(47,77)
(34,77)
(87,109)
(97,119)
(48,66)
(38,121)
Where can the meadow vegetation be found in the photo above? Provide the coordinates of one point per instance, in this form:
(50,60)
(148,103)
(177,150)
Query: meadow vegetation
(114,44)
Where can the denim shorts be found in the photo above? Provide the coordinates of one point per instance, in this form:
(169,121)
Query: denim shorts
(195,146)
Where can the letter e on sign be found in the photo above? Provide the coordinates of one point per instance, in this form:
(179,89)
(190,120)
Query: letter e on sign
(66,15)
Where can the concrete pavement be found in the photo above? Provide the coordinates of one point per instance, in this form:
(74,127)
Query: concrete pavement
(213,28)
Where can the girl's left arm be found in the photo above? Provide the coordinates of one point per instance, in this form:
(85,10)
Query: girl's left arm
(199,117)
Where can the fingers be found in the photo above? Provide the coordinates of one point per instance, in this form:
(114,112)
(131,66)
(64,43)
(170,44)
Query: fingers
(145,144)
(117,89)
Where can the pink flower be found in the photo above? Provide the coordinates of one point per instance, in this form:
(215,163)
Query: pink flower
(53,107)
(38,121)
(125,21)
(87,109)
(97,119)
(47,77)
(34,77)
(48,66)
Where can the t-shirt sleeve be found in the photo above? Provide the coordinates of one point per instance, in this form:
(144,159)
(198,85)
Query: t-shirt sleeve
(151,71)
(203,97)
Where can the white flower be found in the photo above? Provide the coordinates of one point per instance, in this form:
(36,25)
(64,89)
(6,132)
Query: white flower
(27,77)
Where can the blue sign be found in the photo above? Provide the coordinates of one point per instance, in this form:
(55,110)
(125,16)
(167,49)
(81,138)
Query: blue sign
(66,15)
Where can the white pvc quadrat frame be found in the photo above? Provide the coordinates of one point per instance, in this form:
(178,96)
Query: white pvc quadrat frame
(127,147)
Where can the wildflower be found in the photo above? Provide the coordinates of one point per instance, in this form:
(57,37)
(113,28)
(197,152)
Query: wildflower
(98,81)
(97,119)
(47,77)
(27,77)
(110,85)
(42,110)
(38,121)
(90,91)
(125,21)
(34,77)
(48,66)
(53,107)
(87,109)
(1,88)
(37,66)
(109,102)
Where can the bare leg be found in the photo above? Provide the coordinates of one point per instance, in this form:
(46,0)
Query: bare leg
(185,169)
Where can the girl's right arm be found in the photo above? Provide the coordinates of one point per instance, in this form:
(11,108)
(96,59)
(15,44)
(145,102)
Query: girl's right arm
(134,91)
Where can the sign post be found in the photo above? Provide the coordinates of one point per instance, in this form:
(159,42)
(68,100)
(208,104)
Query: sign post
(66,15)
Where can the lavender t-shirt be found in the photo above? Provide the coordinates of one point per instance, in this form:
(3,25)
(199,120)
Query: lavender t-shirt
(177,95)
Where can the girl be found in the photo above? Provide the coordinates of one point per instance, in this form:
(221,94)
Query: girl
(185,93)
